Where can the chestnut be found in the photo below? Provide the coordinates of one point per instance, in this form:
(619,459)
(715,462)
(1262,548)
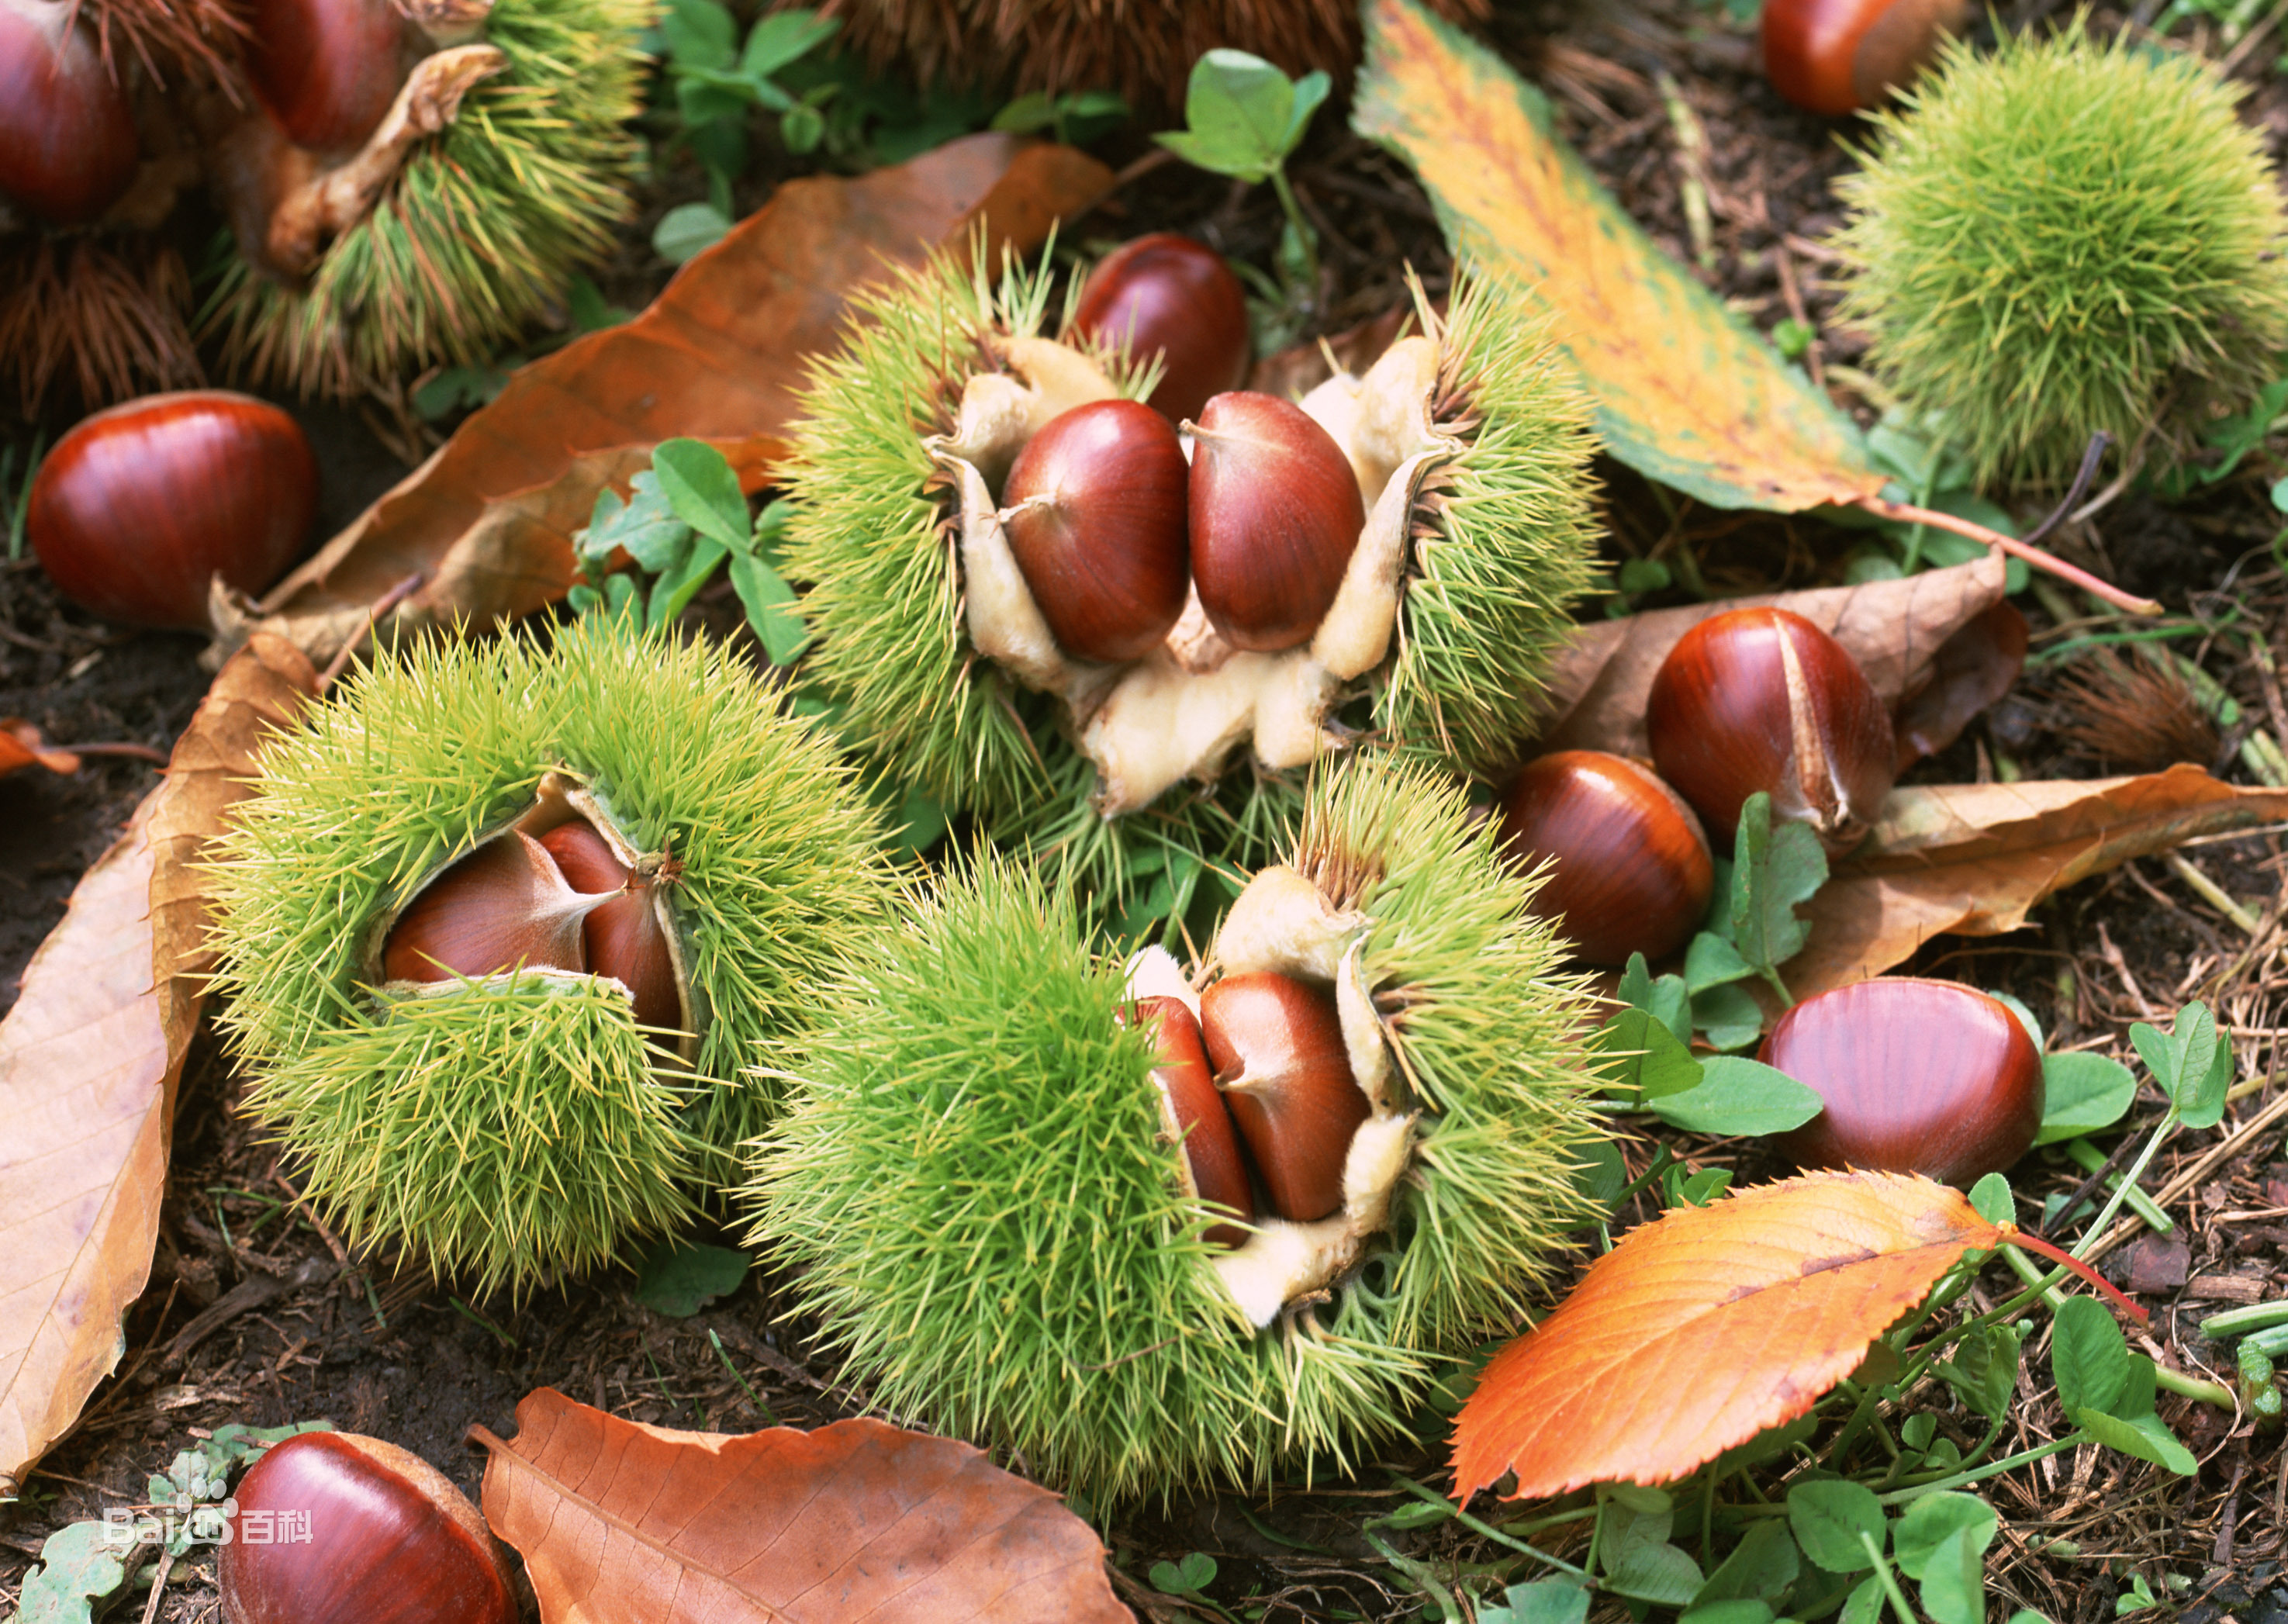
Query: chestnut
(333,1527)
(1277,1045)
(1167,295)
(1917,1076)
(68,143)
(1210,1143)
(1093,508)
(1762,699)
(1630,869)
(1275,512)
(1842,56)
(623,938)
(503,907)
(138,508)
(327,70)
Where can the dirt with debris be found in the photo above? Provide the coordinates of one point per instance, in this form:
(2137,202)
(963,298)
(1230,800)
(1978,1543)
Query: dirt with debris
(256,1314)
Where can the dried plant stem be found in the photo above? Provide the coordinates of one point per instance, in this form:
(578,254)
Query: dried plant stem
(1906,512)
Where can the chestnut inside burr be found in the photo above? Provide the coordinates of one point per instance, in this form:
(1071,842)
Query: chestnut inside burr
(1194,1112)
(1276,1045)
(559,889)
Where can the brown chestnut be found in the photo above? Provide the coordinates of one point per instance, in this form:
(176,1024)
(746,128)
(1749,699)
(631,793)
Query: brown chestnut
(1762,699)
(1630,869)
(327,70)
(503,907)
(1167,295)
(333,1528)
(1842,56)
(68,145)
(1275,512)
(1277,1045)
(1917,1076)
(623,938)
(1094,511)
(1210,1143)
(138,508)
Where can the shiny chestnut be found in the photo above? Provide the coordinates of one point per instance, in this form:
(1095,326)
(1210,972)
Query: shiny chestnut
(623,937)
(1275,512)
(1211,1143)
(1169,295)
(327,70)
(1762,699)
(1629,867)
(1917,1076)
(333,1528)
(505,905)
(68,143)
(1093,508)
(138,508)
(1276,1047)
(1843,56)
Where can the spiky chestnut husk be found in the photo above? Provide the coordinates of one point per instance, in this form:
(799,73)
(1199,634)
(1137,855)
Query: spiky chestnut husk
(105,313)
(993,1228)
(2062,237)
(514,1125)
(892,469)
(481,232)
(1143,48)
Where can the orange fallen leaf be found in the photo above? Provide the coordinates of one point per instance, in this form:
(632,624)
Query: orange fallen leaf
(1684,392)
(1895,630)
(89,1059)
(718,356)
(618,1521)
(21,746)
(1705,1327)
(1974,859)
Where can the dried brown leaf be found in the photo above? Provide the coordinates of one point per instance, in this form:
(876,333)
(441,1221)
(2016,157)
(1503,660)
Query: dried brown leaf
(859,1520)
(89,1060)
(720,356)
(1973,859)
(1895,629)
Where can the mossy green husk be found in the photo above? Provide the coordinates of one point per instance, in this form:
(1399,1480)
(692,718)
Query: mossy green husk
(1506,540)
(482,231)
(513,1126)
(2065,237)
(990,1227)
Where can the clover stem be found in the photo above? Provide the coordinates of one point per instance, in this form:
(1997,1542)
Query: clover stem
(1906,512)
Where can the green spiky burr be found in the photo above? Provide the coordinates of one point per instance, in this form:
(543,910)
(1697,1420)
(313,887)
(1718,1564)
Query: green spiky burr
(522,1123)
(2064,237)
(480,233)
(1471,446)
(992,1223)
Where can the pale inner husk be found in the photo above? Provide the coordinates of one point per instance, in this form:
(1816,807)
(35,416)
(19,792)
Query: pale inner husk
(1181,710)
(1283,924)
(559,798)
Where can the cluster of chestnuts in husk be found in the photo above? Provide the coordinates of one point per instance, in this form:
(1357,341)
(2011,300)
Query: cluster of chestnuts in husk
(333,134)
(1032,587)
(506,931)
(1152,1228)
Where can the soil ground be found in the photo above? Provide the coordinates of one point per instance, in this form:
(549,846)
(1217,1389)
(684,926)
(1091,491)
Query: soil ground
(388,1352)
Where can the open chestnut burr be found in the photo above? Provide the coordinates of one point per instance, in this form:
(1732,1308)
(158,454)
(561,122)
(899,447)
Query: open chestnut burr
(1919,1076)
(357,1530)
(1628,871)
(1762,699)
(1166,295)
(1277,1045)
(1843,56)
